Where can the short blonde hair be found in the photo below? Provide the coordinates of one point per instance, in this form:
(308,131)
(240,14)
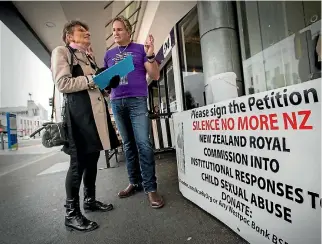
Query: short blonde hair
(125,22)
(69,28)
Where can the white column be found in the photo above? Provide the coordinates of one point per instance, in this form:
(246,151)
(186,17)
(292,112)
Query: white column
(220,50)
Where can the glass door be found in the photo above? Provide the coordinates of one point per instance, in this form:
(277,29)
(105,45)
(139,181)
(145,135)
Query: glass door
(163,95)
(171,88)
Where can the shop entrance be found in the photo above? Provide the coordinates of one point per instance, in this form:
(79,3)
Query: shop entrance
(162,104)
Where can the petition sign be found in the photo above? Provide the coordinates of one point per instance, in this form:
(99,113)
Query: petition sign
(254,163)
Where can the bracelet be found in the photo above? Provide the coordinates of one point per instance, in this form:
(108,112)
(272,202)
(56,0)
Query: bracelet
(151,61)
(151,57)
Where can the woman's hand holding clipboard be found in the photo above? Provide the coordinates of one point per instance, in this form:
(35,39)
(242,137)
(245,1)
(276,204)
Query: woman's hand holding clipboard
(121,69)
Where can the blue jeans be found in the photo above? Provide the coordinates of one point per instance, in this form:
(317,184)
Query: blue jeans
(132,121)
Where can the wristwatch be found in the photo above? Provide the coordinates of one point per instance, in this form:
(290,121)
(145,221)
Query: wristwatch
(151,58)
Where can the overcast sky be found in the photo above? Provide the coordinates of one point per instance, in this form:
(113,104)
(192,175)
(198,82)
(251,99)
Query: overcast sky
(21,73)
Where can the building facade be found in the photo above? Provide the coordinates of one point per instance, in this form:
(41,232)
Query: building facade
(29,118)
(223,50)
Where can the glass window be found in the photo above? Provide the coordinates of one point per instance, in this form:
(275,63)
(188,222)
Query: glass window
(154,97)
(191,60)
(278,43)
(163,97)
(171,88)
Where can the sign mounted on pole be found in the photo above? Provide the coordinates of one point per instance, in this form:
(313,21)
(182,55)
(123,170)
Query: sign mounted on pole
(12,131)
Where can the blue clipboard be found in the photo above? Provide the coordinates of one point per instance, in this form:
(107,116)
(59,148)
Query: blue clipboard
(122,68)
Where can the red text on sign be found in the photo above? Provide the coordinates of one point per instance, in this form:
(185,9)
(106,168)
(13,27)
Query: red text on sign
(297,120)
(210,124)
(258,122)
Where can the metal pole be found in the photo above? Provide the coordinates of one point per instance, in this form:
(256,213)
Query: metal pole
(108,165)
(109,154)
(2,141)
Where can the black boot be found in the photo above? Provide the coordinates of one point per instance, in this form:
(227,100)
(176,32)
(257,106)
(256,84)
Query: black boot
(74,220)
(91,204)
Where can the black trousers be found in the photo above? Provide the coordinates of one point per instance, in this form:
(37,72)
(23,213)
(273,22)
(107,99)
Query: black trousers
(85,166)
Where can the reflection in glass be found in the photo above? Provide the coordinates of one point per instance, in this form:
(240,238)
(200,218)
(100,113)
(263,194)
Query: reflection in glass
(155,97)
(278,43)
(171,89)
(191,60)
(163,99)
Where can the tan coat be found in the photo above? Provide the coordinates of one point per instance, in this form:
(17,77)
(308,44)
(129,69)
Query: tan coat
(65,83)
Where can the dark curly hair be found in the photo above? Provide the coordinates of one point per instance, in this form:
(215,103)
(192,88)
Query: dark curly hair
(69,28)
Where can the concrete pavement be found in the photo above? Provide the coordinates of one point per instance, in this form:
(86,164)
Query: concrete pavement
(30,146)
(32,212)
(29,152)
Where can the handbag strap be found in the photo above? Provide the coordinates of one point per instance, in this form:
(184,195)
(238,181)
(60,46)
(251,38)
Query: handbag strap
(71,65)
(53,105)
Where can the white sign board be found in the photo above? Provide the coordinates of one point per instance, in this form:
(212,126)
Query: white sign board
(254,163)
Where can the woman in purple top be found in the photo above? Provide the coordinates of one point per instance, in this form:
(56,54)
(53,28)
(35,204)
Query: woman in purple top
(129,105)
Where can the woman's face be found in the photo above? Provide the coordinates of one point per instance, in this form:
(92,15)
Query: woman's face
(121,36)
(80,36)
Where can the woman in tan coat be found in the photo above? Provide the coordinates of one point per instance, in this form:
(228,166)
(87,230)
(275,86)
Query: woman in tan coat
(88,123)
